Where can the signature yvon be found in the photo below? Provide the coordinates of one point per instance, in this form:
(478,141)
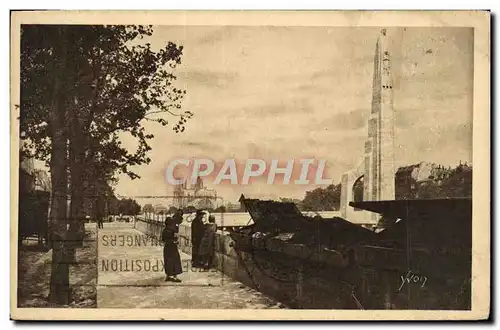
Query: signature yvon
(412,278)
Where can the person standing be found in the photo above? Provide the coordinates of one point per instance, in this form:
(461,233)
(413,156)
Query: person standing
(197,230)
(171,256)
(178,217)
(98,213)
(207,244)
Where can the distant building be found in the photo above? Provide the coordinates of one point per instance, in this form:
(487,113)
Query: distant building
(32,179)
(230,207)
(410,178)
(197,196)
(42,180)
(34,200)
(160,208)
(26,181)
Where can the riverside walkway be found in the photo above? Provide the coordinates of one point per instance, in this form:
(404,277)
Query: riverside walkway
(130,275)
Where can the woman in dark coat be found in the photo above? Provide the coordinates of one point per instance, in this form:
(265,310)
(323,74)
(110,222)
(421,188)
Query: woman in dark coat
(197,230)
(171,257)
(207,244)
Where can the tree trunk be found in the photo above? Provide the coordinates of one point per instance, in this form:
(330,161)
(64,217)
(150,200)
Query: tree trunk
(59,279)
(77,170)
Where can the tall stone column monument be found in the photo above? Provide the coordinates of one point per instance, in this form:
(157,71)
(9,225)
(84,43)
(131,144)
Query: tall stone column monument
(376,169)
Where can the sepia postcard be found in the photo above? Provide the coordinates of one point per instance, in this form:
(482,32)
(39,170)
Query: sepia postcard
(250,165)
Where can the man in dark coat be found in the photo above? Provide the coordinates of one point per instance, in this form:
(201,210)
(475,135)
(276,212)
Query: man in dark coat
(207,244)
(197,230)
(171,257)
(99,212)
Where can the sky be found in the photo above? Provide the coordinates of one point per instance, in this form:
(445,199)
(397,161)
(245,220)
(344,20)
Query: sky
(302,92)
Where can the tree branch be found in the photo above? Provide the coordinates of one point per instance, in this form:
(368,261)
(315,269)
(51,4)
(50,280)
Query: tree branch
(162,111)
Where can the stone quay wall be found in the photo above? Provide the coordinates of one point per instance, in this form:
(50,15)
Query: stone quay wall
(296,275)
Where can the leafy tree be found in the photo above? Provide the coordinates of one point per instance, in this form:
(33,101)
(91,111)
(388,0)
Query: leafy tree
(451,183)
(220,209)
(43,118)
(322,199)
(81,88)
(148,208)
(128,206)
(112,84)
(172,210)
(458,183)
(429,190)
(112,204)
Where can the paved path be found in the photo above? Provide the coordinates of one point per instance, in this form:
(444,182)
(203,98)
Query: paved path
(130,275)
(34,270)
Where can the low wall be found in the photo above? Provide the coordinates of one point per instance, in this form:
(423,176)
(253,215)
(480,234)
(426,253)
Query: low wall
(368,277)
(237,218)
(293,274)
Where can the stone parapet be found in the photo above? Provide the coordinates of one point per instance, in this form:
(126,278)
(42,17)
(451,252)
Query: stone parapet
(310,277)
(293,274)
